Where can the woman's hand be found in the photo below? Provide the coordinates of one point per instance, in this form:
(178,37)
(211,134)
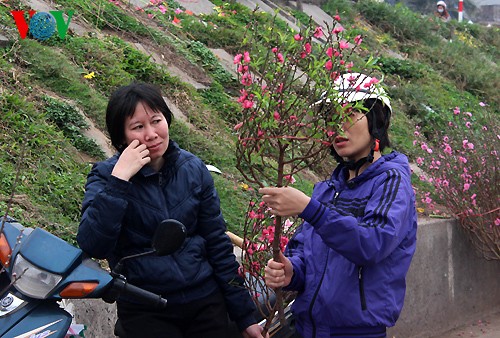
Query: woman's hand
(254,331)
(131,160)
(278,274)
(285,201)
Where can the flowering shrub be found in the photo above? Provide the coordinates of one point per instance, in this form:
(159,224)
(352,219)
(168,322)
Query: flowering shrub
(461,164)
(289,111)
(281,85)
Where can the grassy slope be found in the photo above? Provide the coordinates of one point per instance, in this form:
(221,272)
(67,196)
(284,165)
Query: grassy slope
(52,171)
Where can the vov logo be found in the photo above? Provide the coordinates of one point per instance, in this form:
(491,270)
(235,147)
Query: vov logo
(42,25)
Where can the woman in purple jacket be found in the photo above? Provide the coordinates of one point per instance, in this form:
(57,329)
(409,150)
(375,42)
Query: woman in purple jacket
(349,259)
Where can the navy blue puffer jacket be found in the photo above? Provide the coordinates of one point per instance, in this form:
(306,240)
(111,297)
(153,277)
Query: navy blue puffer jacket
(119,218)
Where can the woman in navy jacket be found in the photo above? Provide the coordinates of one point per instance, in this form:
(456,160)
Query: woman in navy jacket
(349,259)
(151,179)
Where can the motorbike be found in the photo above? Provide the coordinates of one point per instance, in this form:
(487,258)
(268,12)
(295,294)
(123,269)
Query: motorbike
(39,269)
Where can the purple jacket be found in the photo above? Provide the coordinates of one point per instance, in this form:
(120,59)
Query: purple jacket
(351,255)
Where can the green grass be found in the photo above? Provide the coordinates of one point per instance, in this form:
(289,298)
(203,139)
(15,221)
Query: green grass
(50,182)
(52,70)
(424,70)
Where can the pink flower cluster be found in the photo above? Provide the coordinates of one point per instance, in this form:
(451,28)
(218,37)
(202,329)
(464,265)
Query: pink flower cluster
(243,60)
(463,174)
(260,238)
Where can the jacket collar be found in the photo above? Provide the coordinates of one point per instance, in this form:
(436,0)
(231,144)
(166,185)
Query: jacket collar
(339,175)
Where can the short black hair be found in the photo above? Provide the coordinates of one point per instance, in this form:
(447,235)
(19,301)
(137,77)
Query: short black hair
(379,118)
(123,103)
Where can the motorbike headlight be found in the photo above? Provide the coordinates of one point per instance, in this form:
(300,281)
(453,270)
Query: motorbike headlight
(33,281)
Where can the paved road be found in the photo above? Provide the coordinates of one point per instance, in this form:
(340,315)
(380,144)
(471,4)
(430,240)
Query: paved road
(487,327)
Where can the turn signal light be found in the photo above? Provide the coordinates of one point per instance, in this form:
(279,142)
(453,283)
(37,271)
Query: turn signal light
(5,251)
(78,289)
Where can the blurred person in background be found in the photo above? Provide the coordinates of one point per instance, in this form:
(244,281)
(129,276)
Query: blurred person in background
(441,11)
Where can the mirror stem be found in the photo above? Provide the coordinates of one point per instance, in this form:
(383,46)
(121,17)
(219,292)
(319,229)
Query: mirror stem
(118,268)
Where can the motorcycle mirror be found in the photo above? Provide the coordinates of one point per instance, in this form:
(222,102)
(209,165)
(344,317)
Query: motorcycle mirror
(169,237)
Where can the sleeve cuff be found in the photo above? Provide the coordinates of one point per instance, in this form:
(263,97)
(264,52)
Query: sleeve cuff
(312,211)
(295,281)
(117,187)
(245,322)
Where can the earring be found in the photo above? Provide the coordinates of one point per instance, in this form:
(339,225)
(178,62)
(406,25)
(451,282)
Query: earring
(377,145)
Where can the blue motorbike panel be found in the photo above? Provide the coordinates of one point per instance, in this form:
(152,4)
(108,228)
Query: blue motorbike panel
(48,251)
(89,271)
(12,232)
(11,319)
(27,319)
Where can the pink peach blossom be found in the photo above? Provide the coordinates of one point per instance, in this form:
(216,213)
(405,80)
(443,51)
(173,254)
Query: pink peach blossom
(163,9)
(338,29)
(329,52)
(237,58)
(343,44)
(246,57)
(308,48)
(280,58)
(318,32)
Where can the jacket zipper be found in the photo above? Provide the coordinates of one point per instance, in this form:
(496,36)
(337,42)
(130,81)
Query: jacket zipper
(335,197)
(314,298)
(320,282)
(361,288)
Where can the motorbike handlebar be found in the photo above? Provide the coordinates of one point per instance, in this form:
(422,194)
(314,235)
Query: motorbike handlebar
(144,296)
(137,294)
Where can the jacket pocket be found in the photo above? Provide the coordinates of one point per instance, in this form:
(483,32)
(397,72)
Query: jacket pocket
(361,288)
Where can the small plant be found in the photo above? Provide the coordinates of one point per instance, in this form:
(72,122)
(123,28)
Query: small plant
(343,8)
(403,23)
(210,62)
(216,97)
(461,163)
(71,123)
(402,68)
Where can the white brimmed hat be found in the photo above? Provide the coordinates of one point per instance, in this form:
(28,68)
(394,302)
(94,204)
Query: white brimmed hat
(441,3)
(352,87)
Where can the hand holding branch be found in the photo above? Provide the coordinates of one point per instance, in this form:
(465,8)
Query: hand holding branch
(284,201)
(278,274)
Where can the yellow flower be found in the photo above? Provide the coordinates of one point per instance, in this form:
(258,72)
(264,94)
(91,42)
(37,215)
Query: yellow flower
(244,186)
(89,75)
(420,210)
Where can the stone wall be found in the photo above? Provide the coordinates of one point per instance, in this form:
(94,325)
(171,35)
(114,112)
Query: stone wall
(448,284)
